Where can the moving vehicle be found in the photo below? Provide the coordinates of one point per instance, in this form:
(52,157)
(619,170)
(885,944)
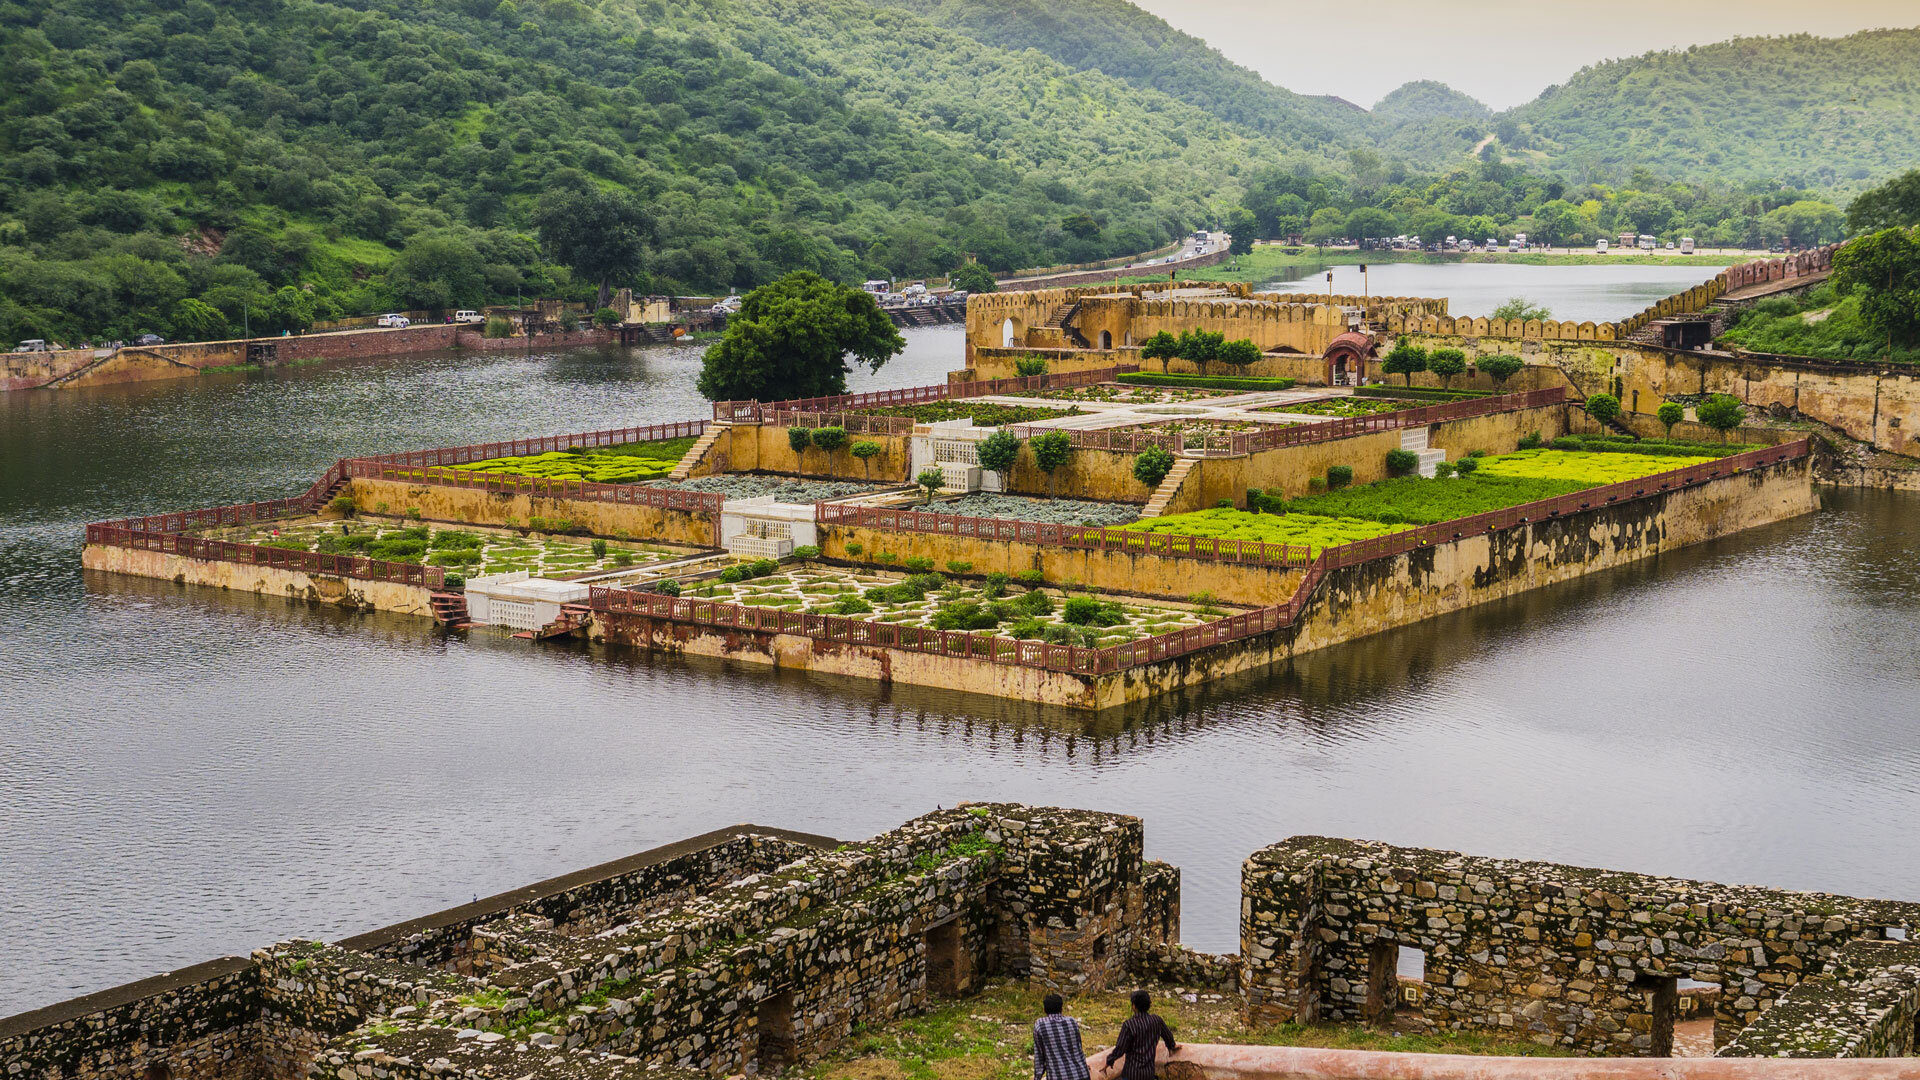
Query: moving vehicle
(1600,245)
(149,339)
(1686,245)
(468,317)
(396,321)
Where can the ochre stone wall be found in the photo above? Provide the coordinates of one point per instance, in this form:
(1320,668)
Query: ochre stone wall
(764,448)
(1570,957)
(265,580)
(472,506)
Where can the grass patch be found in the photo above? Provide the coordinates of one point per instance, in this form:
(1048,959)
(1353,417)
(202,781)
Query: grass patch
(985,414)
(1205,382)
(1314,530)
(627,464)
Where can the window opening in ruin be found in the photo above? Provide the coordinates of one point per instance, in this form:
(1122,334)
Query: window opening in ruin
(1896,933)
(1006,334)
(1100,947)
(776,1047)
(159,1070)
(943,959)
(1383,983)
(1106,339)
(1663,1001)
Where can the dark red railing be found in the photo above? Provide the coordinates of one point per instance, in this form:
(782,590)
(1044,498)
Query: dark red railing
(463,455)
(755,412)
(193,547)
(1083,537)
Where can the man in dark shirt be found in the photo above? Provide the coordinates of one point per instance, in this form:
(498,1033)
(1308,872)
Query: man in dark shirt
(1139,1038)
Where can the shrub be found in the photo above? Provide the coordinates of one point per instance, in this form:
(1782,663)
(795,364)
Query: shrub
(342,505)
(864,450)
(454,539)
(1205,382)
(1033,602)
(606,317)
(1028,366)
(1226,504)
(762,567)
(930,481)
(1604,408)
(1086,611)
(1530,441)
(1316,483)
(413,512)
(807,551)
(1500,368)
(919,564)
(856,548)
(599,548)
(851,605)
(454,581)
(1389,517)
(924,583)
(1401,462)
(1446,363)
(1152,466)
(497,327)
(959,566)
(965,615)
(1238,354)
(668,587)
(1670,413)
(999,450)
(1339,476)
(1030,577)
(885,557)
(1476,453)
(1405,359)
(1722,413)
(1027,629)
(1443,470)
(799,439)
(1566,442)
(733,574)
(996,585)
(830,438)
(454,558)
(1466,465)
(1050,452)
(623,558)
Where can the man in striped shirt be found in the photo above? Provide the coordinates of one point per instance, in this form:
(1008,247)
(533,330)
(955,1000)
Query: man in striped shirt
(1057,1053)
(1139,1039)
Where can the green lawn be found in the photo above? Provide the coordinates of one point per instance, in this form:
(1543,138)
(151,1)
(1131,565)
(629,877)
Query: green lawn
(1314,530)
(1509,480)
(627,464)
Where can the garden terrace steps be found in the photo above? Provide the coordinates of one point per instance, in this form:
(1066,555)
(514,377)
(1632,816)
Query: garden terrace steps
(450,610)
(1169,487)
(1415,439)
(698,451)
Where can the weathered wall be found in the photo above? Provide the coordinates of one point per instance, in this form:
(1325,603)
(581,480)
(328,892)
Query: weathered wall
(764,448)
(265,580)
(473,506)
(1863,1005)
(199,1023)
(1566,956)
(467,338)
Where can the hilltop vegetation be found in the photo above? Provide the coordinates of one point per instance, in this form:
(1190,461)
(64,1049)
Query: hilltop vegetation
(182,168)
(1801,111)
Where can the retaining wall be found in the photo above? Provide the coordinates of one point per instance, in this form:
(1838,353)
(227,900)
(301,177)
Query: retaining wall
(472,506)
(764,448)
(352,593)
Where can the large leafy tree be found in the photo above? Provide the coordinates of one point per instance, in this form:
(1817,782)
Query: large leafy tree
(1894,204)
(972,277)
(600,233)
(1885,269)
(792,339)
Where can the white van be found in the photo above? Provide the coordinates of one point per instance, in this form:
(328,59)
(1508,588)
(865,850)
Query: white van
(468,317)
(1600,245)
(1686,245)
(33,345)
(1493,244)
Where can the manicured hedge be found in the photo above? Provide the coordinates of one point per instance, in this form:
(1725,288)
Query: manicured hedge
(602,464)
(1314,531)
(1499,482)
(1425,393)
(1619,444)
(1206,382)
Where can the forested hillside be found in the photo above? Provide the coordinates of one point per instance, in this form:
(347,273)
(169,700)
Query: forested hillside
(184,167)
(1804,111)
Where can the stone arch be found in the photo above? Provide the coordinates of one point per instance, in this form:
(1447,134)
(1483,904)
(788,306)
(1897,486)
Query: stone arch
(1346,358)
(1007,333)
(1106,339)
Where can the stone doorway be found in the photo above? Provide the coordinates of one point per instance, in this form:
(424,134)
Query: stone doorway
(948,972)
(775,1048)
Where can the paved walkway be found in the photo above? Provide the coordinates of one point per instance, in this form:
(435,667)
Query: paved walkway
(1769,288)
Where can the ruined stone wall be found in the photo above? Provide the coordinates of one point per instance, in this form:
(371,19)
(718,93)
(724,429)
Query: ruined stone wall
(1865,1005)
(199,1023)
(1582,959)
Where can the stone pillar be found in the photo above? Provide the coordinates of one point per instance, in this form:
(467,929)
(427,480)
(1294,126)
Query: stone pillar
(1070,894)
(1280,906)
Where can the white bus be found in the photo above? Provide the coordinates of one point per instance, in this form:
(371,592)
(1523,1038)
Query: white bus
(1600,245)
(1686,245)
(1648,243)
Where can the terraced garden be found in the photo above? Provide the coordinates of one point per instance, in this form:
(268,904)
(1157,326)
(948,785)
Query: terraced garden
(1116,394)
(1343,407)
(998,604)
(782,488)
(982,413)
(1496,483)
(627,464)
(1316,531)
(466,552)
(1209,427)
(1048,511)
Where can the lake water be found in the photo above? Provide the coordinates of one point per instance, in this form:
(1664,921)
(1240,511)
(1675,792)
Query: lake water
(1581,293)
(186,773)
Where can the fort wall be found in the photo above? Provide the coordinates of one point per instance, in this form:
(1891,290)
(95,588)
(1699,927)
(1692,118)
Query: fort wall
(353,593)
(476,506)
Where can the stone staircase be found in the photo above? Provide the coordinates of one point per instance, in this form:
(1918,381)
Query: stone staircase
(1061,319)
(1169,487)
(573,619)
(450,610)
(694,454)
(1415,439)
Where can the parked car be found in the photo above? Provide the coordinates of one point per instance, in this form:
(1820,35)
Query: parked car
(394,320)
(468,317)
(149,339)
(32,345)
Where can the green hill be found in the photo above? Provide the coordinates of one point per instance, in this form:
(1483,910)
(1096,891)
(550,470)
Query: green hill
(1836,113)
(283,160)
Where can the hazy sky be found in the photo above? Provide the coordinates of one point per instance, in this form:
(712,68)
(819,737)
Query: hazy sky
(1503,52)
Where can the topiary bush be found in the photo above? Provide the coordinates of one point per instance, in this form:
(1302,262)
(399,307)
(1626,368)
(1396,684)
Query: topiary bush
(1466,465)
(1029,577)
(1339,476)
(807,551)
(1152,466)
(999,450)
(668,587)
(1443,470)
(830,438)
(1402,462)
(959,566)
(799,439)
(919,564)
(1530,441)
(1028,366)
(1086,611)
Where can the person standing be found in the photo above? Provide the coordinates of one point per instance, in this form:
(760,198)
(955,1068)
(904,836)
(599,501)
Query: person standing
(1139,1039)
(1057,1051)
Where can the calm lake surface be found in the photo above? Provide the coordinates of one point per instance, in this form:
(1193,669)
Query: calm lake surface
(186,773)
(1581,293)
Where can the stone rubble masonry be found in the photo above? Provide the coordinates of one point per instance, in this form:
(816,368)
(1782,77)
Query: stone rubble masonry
(755,948)
(1562,955)
(1865,1005)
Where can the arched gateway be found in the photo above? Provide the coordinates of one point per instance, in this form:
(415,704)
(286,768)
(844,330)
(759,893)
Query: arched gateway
(1347,357)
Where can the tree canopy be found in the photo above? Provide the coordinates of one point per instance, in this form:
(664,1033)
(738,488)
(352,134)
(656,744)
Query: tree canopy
(793,338)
